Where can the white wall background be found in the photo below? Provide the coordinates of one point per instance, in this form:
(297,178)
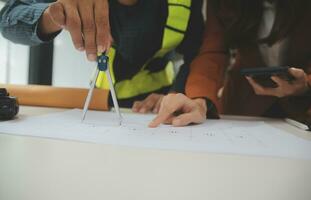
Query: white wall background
(70,67)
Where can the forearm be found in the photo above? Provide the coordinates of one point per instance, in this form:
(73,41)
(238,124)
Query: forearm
(19,21)
(207,69)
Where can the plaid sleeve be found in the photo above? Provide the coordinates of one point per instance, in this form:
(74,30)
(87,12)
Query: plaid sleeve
(19,21)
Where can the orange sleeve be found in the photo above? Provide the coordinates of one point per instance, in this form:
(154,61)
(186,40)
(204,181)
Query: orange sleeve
(207,69)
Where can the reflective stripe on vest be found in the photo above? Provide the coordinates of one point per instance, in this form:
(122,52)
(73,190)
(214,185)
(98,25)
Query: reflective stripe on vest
(145,81)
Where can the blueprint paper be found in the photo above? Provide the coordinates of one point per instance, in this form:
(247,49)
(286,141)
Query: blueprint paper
(217,136)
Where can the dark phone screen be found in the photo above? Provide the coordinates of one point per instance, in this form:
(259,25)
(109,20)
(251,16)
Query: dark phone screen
(263,75)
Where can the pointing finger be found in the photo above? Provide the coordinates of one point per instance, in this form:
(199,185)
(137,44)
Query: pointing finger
(162,117)
(185,119)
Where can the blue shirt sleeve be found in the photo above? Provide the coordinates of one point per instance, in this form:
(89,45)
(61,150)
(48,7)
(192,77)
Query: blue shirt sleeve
(19,20)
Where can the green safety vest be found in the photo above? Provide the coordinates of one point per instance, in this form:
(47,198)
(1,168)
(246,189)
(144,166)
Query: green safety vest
(144,81)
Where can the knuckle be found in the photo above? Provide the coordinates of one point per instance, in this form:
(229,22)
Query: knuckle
(165,99)
(101,22)
(137,106)
(170,96)
(165,102)
(91,50)
(74,23)
(54,8)
(153,95)
(105,16)
(100,32)
(180,95)
(90,43)
(90,46)
(150,97)
(88,26)
(149,104)
(136,103)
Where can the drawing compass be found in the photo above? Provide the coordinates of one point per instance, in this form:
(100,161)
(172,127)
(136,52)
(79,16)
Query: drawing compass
(102,66)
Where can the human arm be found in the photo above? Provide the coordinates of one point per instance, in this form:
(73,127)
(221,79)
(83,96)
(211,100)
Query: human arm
(204,80)
(191,111)
(33,22)
(188,49)
(299,86)
(18,20)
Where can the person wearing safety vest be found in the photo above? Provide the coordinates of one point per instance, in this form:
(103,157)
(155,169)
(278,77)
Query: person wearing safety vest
(147,35)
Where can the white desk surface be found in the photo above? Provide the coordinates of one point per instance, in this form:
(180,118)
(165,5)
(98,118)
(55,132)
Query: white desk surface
(44,169)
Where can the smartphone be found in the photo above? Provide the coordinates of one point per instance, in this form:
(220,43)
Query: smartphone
(262,75)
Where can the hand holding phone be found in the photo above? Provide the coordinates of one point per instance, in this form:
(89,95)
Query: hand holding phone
(263,75)
(277,81)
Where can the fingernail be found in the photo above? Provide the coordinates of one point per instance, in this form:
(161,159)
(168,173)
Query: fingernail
(80,48)
(91,57)
(151,125)
(100,49)
(143,110)
(155,110)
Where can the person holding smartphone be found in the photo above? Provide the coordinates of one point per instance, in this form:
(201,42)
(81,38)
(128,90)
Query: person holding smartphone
(262,33)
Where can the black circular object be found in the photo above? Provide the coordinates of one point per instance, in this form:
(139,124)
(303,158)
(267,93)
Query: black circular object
(9,106)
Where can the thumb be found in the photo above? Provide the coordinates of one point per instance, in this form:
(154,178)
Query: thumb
(161,117)
(188,118)
(297,73)
(57,14)
(184,119)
